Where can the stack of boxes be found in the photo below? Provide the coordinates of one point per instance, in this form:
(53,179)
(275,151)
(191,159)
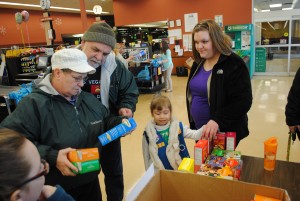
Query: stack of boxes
(86,160)
(223,161)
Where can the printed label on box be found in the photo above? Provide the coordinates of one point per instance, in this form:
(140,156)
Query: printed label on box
(118,131)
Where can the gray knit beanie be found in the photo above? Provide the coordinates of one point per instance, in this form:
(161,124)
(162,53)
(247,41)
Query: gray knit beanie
(100,32)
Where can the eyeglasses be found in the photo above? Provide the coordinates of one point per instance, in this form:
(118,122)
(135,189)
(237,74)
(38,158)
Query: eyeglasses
(79,79)
(42,173)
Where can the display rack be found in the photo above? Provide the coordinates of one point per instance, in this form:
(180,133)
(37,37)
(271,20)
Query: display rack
(136,50)
(156,81)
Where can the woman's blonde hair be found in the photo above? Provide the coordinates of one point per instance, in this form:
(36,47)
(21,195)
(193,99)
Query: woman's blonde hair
(221,42)
(159,102)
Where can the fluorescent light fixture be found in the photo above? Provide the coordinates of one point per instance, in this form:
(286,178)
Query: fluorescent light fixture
(276,5)
(266,10)
(287,8)
(255,10)
(77,35)
(271,25)
(285,24)
(38,6)
(19,4)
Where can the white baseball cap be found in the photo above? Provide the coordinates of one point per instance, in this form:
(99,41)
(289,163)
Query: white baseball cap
(73,59)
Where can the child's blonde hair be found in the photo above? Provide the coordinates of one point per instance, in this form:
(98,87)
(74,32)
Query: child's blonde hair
(159,101)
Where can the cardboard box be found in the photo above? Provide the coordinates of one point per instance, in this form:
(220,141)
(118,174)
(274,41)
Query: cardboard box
(230,140)
(219,141)
(187,165)
(178,186)
(120,130)
(200,153)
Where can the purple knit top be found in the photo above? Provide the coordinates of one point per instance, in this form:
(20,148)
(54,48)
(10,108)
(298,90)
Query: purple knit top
(199,107)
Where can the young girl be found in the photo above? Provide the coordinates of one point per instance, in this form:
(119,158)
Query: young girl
(163,139)
(167,65)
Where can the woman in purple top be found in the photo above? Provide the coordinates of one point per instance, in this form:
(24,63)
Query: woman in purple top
(218,92)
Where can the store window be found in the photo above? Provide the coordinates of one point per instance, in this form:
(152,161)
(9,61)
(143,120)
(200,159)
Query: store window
(295,35)
(275,32)
(295,59)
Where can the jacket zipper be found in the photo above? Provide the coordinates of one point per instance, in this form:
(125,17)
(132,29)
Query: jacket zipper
(77,115)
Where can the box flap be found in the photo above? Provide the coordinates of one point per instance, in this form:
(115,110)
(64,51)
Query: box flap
(145,180)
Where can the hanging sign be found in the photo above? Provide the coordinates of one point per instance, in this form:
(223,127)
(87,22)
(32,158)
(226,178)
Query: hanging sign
(97,9)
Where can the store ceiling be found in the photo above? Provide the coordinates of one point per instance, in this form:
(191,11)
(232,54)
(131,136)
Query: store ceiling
(107,5)
(107,8)
(265,4)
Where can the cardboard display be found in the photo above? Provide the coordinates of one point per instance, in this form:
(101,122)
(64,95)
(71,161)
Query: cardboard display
(178,186)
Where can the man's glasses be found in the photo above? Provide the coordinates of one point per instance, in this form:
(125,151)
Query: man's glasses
(42,173)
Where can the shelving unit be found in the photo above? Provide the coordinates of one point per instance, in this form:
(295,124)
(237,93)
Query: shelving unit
(156,82)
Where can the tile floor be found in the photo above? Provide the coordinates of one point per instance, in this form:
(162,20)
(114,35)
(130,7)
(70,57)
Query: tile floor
(266,119)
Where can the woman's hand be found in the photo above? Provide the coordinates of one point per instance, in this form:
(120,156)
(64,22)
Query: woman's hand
(63,163)
(210,130)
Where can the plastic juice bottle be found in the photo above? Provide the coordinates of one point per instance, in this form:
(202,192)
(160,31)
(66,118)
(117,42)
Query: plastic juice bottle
(81,155)
(270,150)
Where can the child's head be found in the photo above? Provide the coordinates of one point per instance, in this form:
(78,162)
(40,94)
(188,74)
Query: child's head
(161,109)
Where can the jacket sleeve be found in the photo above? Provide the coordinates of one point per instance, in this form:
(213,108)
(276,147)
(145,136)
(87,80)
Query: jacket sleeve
(292,109)
(192,134)
(25,120)
(128,91)
(237,95)
(60,195)
(146,153)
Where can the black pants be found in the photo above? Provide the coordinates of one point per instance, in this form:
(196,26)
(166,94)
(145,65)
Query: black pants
(90,192)
(112,167)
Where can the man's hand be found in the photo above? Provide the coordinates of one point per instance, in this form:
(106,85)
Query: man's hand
(293,128)
(210,130)
(125,112)
(63,163)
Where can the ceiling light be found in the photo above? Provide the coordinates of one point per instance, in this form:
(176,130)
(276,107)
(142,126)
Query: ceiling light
(271,25)
(285,24)
(266,10)
(275,5)
(255,10)
(38,6)
(287,8)
(19,4)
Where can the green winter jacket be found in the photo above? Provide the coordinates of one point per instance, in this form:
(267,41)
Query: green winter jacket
(52,123)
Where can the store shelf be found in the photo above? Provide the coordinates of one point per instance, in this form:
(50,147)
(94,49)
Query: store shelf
(156,81)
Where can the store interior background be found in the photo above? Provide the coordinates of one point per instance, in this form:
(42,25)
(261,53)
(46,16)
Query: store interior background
(270,88)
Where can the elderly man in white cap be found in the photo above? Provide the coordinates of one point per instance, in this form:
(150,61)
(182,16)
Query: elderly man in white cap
(58,117)
(115,87)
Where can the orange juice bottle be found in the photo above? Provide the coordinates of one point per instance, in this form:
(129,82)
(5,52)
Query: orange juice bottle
(82,155)
(270,150)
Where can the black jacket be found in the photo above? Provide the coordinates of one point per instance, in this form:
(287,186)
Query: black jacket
(229,95)
(292,109)
(52,123)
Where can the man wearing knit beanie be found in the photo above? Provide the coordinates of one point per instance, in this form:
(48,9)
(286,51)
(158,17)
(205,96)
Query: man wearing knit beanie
(116,88)
(100,32)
